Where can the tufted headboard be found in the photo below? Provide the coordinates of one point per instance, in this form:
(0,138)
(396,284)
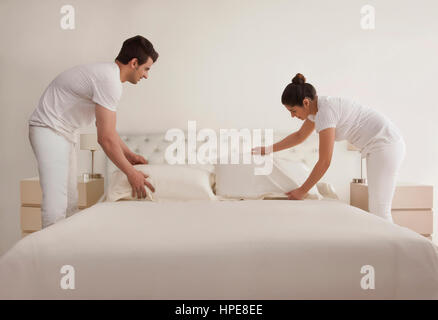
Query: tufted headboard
(153,145)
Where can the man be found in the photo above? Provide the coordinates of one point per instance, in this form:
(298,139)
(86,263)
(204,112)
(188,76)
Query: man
(74,99)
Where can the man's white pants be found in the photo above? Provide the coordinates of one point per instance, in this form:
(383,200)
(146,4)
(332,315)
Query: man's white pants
(57,169)
(382,170)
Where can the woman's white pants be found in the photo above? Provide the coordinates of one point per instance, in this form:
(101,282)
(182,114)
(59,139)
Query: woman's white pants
(57,169)
(382,170)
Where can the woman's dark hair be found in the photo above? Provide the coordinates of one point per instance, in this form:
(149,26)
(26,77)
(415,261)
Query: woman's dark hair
(137,47)
(295,92)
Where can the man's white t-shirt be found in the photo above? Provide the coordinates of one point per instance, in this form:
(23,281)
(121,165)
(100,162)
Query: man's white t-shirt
(69,101)
(365,128)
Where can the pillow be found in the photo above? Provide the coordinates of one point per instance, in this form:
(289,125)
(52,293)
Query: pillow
(171,183)
(327,190)
(238,181)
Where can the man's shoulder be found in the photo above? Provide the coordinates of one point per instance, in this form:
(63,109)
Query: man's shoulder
(102,67)
(106,72)
(100,71)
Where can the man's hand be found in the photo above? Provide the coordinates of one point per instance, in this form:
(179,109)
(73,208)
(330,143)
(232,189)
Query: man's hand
(137,180)
(296,194)
(136,159)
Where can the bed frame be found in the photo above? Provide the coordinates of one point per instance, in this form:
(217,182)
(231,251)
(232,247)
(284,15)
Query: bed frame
(153,146)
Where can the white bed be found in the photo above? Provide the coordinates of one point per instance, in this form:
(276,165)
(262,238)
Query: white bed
(257,249)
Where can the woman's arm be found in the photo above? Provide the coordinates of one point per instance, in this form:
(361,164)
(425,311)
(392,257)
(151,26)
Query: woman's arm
(291,140)
(326,144)
(296,137)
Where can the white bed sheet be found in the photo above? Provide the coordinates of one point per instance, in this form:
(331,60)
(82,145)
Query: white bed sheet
(270,249)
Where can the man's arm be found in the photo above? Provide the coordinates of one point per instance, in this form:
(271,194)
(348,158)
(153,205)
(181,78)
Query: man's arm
(109,139)
(126,151)
(132,157)
(129,155)
(110,142)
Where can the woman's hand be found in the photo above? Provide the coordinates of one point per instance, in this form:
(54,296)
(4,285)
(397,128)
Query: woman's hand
(136,159)
(296,194)
(261,150)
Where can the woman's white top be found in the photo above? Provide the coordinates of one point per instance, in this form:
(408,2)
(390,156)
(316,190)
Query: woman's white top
(365,128)
(69,101)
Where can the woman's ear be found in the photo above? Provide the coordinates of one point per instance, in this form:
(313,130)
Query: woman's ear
(306,103)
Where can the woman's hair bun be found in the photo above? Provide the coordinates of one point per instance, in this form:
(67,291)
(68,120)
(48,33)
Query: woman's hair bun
(299,79)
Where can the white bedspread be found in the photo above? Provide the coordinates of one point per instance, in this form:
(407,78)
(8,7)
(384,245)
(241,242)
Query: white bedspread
(272,249)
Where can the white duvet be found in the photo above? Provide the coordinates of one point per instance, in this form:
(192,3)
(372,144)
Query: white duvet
(270,249)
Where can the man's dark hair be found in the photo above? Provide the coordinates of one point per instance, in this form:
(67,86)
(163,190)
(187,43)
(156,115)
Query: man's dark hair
(137,47)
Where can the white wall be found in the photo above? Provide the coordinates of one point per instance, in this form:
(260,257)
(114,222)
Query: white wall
(223,63)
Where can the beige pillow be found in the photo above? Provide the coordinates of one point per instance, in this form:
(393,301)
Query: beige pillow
(238,181)
(171,183)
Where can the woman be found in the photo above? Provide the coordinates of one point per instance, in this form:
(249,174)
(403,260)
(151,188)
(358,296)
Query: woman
(337,119)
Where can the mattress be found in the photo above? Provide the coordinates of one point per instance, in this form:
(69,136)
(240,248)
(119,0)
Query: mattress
(258,249)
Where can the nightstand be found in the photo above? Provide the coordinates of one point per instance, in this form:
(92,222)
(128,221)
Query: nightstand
(89,192)
(411,206)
